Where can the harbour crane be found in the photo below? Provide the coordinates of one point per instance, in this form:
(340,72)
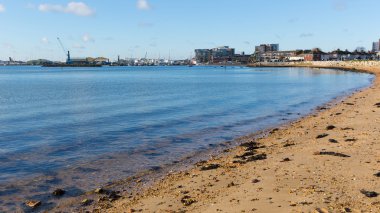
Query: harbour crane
(68,60)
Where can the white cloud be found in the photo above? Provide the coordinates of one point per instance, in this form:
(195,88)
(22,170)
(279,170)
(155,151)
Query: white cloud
(2,8)
(45,40)
(143,5)
(88,38)
(76,8)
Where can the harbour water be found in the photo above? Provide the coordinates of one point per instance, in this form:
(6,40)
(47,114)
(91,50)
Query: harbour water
(79,128)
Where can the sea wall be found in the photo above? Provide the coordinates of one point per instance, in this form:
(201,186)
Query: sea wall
(364,66)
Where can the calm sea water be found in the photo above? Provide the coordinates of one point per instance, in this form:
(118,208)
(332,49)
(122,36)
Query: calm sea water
(109,123)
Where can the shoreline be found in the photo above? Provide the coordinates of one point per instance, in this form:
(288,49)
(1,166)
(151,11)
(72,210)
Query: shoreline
(224,159)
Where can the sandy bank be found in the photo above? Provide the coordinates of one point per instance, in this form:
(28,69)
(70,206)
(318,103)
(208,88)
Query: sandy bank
(323,163)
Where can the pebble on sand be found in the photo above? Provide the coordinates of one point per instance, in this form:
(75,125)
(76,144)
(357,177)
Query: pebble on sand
(210,167)
(322,135)
(333,141)
(33,203)
(187,200)
(369,194)
(58,192)
(337,154)
(330,127)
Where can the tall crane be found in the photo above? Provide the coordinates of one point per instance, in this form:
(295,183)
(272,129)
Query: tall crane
(68,60)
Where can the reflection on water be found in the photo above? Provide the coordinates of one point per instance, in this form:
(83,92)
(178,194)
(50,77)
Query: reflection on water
(79,128)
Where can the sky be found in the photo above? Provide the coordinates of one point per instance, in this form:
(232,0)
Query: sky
(174,28)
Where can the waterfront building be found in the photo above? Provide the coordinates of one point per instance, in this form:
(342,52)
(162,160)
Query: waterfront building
(267,48)
(376,46)
(224,51)
(312,55)
(203,55)
(98,60)
(274,56)
(79,61)
(215,55)
(241,58)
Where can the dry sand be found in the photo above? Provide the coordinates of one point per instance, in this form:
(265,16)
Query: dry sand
(298,173)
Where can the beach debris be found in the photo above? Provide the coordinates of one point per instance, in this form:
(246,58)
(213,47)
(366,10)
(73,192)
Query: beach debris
(33,203)
(58,192)
(210,167)
(86,202)
(251,146)
(257,157)
(321,210)
(250,153)
(377,104)
(337,154)
(200,163)
(227,150)
(333,141)
(289,144)
(369,194)
(348,128)
(321,108)
(351,140)
(99,191)
(322,135)
(184,192)
(231,184)
(346,209)
(112,196)
(251,158)
(187,200)
(305,203)
(246,154)
(350,104)
(255,181)
(330,127)
(285,160)
(377,174)
(274,130)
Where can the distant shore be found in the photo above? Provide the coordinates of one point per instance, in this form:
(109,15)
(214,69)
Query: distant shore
(325,162)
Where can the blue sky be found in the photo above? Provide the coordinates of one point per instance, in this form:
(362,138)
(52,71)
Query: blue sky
(131,28)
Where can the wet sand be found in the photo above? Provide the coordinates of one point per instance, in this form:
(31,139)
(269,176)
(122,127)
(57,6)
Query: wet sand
(325,162)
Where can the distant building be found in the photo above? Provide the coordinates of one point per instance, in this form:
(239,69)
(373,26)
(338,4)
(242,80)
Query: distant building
(203,55)
(274,56)
(360,49)
(267,48)
(79,61)
(312,55)
(241,58)
(215,55)
(224,51)
(98,60)
(376,46)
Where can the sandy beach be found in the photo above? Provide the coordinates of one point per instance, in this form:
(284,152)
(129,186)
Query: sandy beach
(328,161)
